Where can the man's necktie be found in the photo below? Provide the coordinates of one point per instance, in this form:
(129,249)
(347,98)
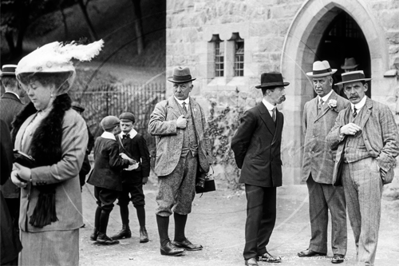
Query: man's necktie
(354,112)
(184,107)
(320,103)
(126,136)
(274,114)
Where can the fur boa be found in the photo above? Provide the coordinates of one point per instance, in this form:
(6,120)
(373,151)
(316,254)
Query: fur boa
(46,150)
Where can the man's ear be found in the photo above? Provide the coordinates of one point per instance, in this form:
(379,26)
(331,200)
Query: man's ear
(366,86)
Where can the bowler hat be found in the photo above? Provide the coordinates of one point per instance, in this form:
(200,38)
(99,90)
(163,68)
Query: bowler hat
(349,63)
(109,122)
(321,69)
(181,75)
(271,80)
(8,70)
(76,106)
(353,76)
(127,117)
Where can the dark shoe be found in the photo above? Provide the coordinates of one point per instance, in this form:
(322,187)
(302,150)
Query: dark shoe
(143,235)
(124,233)
(267,257)
(170,250)
(337,258)
(310,253)
(103,239)
(187,245)
(251,262)
(93,237)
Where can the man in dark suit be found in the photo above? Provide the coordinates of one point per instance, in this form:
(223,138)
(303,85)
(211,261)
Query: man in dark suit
(365,136)
(10,106)
(256,146)
(318,163)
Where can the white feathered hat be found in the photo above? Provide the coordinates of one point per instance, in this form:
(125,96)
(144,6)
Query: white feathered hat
(55,58)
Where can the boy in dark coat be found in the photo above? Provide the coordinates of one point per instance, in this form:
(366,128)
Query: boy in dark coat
(105,177)
(134,146)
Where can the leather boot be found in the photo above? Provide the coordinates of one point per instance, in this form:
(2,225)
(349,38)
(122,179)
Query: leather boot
(103,239)
(143,235)
(124,233)
(167,248)
(93,236)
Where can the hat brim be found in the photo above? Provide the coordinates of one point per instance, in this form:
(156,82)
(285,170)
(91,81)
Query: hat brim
(272,85)
(2,74)
(348,67)
(351,81)
(180,81)
(310,74)
(78,108)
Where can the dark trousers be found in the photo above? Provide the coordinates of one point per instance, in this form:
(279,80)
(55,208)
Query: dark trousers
(261,217)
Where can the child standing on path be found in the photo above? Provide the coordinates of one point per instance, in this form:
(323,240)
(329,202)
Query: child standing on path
(106,178)
(134,146)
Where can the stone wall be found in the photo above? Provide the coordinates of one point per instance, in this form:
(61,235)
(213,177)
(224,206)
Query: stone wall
(267,29)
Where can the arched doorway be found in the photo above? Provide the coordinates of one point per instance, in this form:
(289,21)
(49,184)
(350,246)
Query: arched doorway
(300,49)
(343,38)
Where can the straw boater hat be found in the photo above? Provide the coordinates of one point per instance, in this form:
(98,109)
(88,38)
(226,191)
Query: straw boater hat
(8,70)
(271,80)
(181,75)
(353,76)
(321,69)
(349,63)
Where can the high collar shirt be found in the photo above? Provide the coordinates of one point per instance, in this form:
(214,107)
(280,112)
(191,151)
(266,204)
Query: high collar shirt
(270,107)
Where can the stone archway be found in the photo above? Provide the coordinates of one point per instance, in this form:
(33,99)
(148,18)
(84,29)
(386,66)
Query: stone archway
(300,45)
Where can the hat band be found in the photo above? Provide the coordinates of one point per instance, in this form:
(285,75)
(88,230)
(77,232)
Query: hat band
(181,78)
(352,76)
(323,71)
(8,69)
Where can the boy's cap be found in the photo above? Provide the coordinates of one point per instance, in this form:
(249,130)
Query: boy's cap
(127,117)
(109,122)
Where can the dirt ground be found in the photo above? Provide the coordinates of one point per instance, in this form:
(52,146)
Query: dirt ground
(217,222)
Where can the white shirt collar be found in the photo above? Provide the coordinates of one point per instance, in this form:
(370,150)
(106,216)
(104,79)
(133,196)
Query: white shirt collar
(360,104)
(108,135)
(187,101)
(14,94)
(132,133)
(268,105)
(325,97)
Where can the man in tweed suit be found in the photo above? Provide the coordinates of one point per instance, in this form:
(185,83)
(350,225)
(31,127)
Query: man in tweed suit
(318,163)
(179,126)
(10,106)
(256,146)
(366,138)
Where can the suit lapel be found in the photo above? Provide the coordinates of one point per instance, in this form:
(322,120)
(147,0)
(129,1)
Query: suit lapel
(173,108)
(196,116)
(267,119)
(365,117)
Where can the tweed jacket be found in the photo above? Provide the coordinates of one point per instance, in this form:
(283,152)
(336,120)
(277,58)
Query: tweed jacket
(135,148)
(10,106)
(379,133)
(107,165)
(65,173)
(256,145)
(169,138)
(318,158)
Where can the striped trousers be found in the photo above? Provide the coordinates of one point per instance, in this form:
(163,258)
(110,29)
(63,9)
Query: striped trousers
(363,190)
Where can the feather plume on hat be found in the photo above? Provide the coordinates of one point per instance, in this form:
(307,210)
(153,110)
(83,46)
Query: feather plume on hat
(56,57)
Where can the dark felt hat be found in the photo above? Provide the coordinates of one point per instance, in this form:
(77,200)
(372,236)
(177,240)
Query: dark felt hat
(127,117)
(8,70)
(349,63)
(353,76)
(271,80)
(181,75)
(109,122)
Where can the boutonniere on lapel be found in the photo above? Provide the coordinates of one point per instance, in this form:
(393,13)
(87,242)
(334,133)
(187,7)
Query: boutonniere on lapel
(332,103)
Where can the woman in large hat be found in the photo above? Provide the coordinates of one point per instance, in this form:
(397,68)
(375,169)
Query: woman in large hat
(54,137)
